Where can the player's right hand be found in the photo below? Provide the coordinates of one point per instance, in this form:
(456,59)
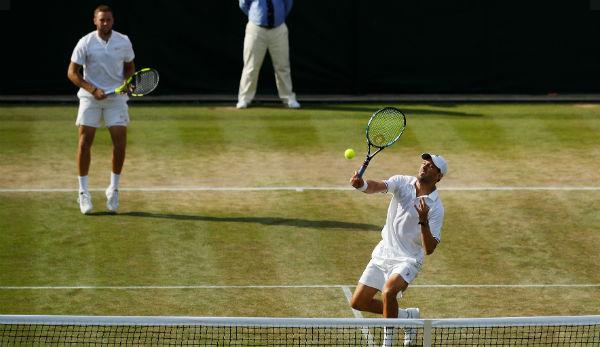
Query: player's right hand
(356,181)
(99,94)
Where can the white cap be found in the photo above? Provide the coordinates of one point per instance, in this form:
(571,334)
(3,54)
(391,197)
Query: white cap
(437,160)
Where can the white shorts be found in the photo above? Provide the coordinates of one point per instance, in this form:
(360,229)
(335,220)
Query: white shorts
(377,273)
(113,109)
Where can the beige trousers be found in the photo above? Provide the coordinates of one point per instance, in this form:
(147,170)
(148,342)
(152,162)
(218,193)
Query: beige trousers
(256,43)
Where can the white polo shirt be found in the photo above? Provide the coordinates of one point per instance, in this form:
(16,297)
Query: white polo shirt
(401,235)
(102,61)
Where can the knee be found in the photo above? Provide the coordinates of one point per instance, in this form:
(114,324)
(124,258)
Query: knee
(390,293)
(85,143)
(356,304)
(251,72)
(120,145)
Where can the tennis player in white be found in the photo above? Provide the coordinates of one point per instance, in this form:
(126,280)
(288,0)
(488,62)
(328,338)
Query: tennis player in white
(412,229)
(106,57)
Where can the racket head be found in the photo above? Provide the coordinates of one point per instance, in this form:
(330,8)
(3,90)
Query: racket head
(385,127)
(141,83)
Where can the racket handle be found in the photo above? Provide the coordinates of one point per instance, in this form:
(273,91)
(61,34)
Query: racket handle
(363,168)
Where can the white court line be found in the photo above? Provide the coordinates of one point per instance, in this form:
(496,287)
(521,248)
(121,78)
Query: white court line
(342,286)
(293,188)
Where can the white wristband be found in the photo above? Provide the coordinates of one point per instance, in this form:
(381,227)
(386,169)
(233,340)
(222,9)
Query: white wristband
(364,187)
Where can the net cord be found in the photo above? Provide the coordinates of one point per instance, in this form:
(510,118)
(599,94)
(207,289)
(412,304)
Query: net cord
(298,322)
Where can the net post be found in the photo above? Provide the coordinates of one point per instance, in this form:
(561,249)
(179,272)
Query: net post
(427,333)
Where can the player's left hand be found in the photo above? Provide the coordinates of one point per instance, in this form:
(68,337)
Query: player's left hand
(128,90)
(422,209)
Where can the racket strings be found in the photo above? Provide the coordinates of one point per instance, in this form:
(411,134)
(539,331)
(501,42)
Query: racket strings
(386,127)
(145,82)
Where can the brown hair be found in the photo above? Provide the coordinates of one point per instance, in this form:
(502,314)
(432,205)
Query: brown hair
(102,8)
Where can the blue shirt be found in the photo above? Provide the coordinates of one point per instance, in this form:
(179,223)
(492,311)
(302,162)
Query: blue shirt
(256,10)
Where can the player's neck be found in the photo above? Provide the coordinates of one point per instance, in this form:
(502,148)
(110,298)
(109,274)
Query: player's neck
(103,36)
(424,188)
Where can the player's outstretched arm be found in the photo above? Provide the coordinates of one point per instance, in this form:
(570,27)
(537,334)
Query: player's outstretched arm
(367,186)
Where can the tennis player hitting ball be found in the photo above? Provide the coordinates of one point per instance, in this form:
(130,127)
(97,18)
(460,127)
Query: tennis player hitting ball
(412,229)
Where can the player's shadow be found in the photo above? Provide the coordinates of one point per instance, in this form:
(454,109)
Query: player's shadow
(293,222)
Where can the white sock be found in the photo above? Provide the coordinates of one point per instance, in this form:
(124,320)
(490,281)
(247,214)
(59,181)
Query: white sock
(83,183)
(388,336)
(114,181)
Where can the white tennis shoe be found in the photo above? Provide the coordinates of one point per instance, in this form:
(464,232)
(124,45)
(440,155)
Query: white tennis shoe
(112,199)
(410,334)
(241,104)
(293,104)
(85,202)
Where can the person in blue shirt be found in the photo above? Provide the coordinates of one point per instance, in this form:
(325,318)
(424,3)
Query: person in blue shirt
(266,30)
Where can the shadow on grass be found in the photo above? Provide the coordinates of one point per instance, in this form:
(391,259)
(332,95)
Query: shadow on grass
(104,213)
(406,110)
(442,109)
(293,222)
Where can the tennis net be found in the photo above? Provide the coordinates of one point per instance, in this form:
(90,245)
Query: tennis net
(23,330)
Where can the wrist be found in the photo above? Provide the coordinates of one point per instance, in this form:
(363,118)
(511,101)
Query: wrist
(94,90)
(364,187)
(425,222)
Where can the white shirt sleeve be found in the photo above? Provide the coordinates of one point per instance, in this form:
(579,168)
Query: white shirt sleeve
(394,183)
(79,53)
(129,55)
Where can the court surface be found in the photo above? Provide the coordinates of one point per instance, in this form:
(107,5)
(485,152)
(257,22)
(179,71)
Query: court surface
(249,213)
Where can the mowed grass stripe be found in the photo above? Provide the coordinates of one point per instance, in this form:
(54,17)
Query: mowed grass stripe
(162,138)
(296,228)
(211,238)
(300,286)
(155,157)
(578,238)
(298,189)
(498,238)
(502,302)
(326,302)
(226,302)
(30,141)
(551,139)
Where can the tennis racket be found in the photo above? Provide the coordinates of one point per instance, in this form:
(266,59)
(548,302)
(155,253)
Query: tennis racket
(384,129)
(139,84)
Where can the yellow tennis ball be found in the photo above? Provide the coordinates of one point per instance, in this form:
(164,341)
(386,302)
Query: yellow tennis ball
(349,153)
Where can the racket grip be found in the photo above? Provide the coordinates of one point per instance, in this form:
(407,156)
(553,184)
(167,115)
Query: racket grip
(363,168)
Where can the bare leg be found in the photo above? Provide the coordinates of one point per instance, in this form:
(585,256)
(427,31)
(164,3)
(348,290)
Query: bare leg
(363,299)
(84,150)
(118,135)
(394,285)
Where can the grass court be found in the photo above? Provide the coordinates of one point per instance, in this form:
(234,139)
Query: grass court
(217,202)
